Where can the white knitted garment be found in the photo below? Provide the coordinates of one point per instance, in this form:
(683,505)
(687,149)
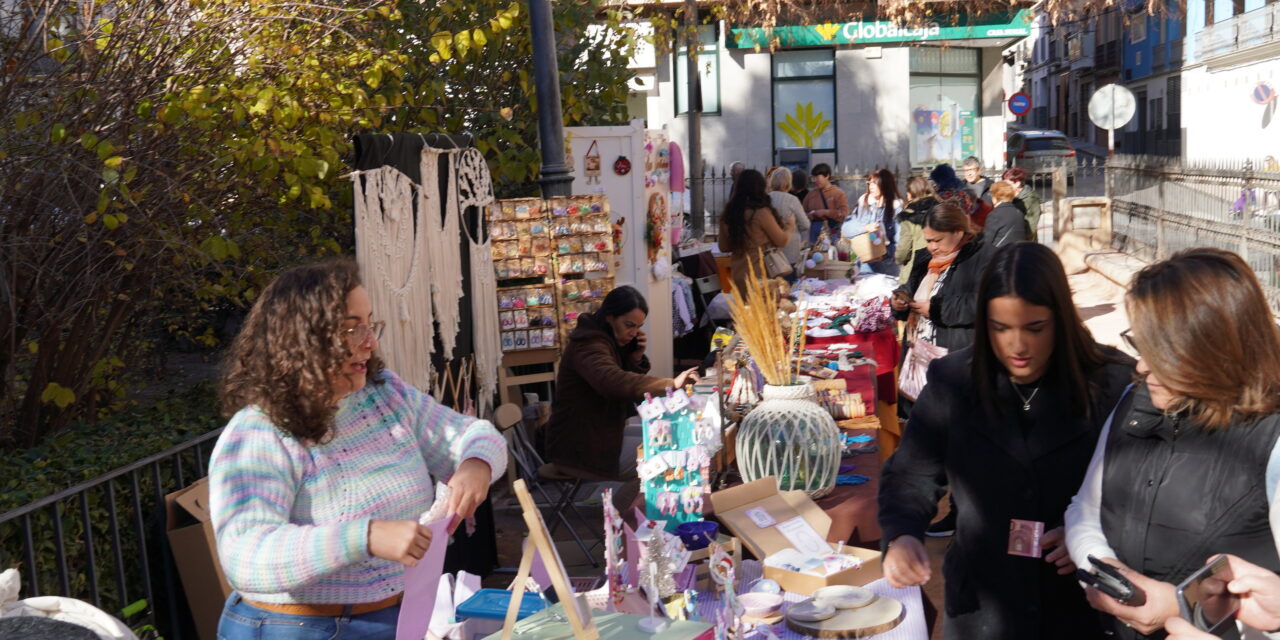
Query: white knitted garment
(392,249)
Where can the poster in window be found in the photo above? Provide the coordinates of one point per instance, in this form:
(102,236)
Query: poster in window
(804,114)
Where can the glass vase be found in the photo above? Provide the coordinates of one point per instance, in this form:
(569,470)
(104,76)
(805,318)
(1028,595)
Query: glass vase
(791,437)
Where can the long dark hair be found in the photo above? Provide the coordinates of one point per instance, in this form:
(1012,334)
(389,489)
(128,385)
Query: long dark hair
(748,193)
(621,301)
(1034,273)
(888,191)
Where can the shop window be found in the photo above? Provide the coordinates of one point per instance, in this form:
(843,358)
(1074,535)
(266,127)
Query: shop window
(709,72)
(945,85)
(804,99)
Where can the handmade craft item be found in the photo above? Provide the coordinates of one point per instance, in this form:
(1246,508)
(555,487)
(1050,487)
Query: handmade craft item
(394,260)
(591,164)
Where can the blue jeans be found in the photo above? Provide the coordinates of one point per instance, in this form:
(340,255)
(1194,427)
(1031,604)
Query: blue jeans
(243,621)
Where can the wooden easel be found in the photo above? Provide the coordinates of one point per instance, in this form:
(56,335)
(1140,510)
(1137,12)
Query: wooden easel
(540,543)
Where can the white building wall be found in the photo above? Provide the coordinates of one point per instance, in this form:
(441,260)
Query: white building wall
(991,127)
(1220,118)
(873,108)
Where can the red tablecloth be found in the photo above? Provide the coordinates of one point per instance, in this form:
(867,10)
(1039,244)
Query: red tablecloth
(881,346)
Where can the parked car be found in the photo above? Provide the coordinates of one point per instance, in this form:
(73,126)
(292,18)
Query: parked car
(1040,151)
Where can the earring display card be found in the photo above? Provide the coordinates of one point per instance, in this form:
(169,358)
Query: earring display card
(675,468)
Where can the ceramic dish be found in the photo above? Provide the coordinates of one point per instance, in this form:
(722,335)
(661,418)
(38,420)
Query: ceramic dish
(760,605)
(811,611)
(844,596)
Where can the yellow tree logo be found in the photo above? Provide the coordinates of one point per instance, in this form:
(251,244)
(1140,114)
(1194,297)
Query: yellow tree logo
(827,30)
(804,126)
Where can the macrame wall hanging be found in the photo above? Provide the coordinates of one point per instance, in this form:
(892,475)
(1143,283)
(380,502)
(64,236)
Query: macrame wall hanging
(442,216)
(410,247)
(475,189)
(392,254)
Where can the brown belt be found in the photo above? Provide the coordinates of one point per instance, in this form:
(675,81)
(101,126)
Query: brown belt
(328,610)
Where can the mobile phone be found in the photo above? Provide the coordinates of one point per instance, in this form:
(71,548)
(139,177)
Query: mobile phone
(1109,580)
(1205,601)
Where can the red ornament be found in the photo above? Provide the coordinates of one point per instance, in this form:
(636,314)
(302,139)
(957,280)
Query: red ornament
(622,166)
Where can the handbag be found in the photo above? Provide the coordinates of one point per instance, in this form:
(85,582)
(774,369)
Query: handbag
(914,367)
(776,264)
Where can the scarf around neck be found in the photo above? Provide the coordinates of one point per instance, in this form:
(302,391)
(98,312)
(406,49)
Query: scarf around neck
(938,264)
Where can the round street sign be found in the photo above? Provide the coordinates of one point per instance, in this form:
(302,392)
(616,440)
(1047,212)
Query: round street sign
(1111,107)
(1019,104)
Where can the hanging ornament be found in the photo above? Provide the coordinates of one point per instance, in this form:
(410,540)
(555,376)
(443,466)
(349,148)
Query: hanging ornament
(622,166)
(591,164)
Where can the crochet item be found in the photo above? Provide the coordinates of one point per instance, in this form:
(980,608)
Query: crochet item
(395,268)
(292,519)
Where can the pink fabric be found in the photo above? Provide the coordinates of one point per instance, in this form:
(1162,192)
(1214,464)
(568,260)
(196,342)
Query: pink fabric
(421,584)
(676,156)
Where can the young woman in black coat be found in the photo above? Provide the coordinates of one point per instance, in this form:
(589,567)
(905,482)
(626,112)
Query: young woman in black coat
(1010,424)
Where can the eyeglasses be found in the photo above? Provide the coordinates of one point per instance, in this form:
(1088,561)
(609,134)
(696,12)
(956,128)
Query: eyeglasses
(360,334)
(1128,339)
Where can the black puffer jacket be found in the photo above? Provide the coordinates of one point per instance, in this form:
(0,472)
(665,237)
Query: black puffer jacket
(1174,494)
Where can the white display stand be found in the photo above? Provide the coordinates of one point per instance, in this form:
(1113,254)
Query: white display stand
(629,198)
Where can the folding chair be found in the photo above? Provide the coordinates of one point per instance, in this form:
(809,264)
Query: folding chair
(541,476)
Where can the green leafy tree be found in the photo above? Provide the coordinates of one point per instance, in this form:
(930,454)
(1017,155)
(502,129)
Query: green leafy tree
(159,161)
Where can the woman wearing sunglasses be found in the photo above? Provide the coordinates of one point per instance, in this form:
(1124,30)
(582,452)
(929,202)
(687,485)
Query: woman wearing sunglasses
(1187,466)
(317,482)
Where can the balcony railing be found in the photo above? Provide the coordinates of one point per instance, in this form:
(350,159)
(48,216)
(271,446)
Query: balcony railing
(1245,31)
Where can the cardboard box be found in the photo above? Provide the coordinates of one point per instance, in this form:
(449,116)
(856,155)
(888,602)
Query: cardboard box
(731,506)
(195,552)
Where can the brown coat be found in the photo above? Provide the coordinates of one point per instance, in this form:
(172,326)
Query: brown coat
(597,388)
(763,232)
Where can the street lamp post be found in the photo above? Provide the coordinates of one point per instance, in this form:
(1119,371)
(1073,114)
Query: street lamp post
(693,100)
(556,179)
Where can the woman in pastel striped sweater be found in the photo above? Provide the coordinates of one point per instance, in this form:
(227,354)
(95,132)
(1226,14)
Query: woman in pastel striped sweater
(318,480)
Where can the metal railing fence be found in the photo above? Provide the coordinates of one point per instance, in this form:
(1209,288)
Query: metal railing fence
(1163,205)
(108,541)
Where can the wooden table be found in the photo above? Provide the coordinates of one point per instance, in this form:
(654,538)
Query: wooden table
(853,508)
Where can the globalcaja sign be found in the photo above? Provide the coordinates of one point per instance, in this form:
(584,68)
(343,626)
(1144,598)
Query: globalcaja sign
(997,25)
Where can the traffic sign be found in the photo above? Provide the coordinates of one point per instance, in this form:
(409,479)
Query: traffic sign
(1112,107)
(1019,104)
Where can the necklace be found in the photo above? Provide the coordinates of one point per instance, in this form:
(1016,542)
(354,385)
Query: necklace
(1026,402)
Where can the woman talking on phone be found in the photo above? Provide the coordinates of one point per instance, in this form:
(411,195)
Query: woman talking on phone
(1187,465)
(1009,423)
(603,374)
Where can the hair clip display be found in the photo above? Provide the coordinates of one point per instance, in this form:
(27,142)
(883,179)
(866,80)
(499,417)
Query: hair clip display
(691,499)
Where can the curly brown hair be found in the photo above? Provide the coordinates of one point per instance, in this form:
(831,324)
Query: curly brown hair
(291,347)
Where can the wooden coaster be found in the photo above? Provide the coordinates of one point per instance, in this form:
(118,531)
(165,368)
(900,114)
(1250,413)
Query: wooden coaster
(878,617)
(769,620)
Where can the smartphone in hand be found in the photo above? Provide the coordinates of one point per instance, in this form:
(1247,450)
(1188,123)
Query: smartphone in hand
(1109,580)
(1204,600)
